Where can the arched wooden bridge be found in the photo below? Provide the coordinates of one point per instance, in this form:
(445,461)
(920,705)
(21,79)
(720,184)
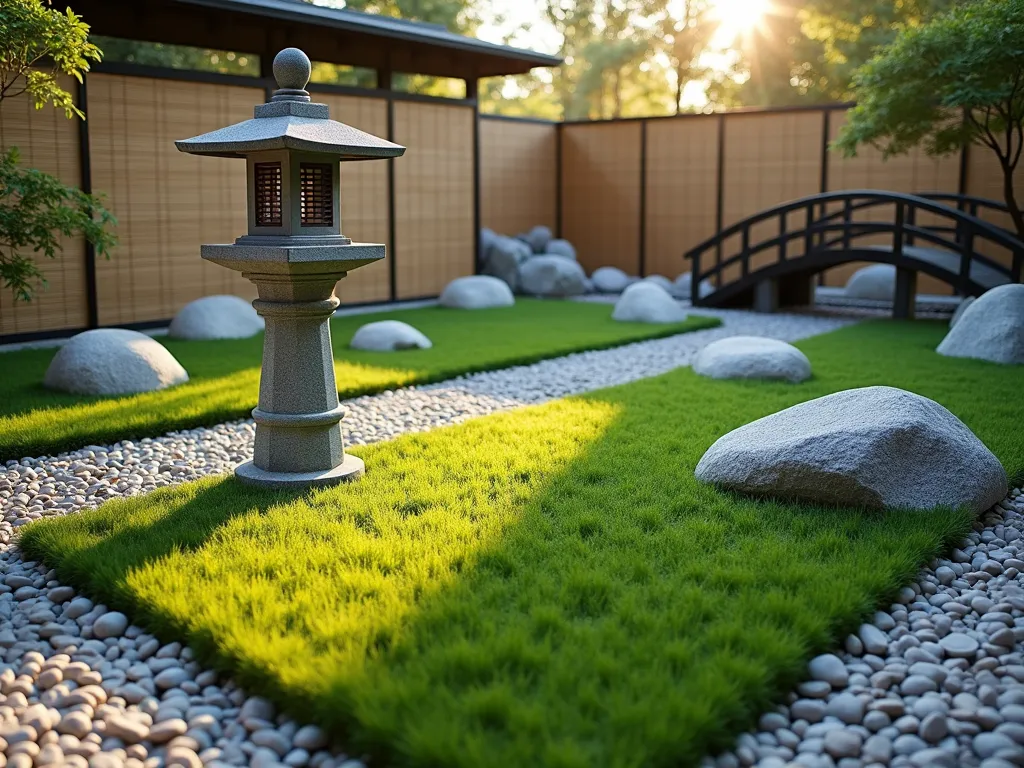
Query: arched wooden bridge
(939,234)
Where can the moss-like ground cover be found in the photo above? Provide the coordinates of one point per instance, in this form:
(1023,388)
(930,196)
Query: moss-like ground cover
(225,374)
(545,587)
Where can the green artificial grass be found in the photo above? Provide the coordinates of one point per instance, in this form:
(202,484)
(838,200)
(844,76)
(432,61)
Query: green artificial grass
(224,375)
(545,587)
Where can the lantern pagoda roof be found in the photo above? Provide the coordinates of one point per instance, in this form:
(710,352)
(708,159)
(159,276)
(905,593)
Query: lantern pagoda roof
(291,121)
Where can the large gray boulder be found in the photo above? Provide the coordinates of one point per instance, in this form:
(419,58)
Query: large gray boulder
(959,311)
(876,282)
(991,328)
(388,336)
(216,317)
(563,248)
(752,357)
(609,280)
(113,361)
(537,238)
(504,258)
(876,447)
(476,292)
(552,276)
(647,302)
(683,284)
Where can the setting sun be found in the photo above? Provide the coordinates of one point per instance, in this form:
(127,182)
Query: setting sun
(736,18)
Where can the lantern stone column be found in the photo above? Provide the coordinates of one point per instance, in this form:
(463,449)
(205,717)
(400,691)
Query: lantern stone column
(298,428)
(295,253)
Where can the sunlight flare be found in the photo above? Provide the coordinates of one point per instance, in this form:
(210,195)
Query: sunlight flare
(738,18)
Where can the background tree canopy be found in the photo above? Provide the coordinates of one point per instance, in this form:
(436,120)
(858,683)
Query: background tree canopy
(629,58)
(40,49)
(956,80)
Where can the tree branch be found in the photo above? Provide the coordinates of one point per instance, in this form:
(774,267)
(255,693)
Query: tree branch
(1020,145)
(986,136)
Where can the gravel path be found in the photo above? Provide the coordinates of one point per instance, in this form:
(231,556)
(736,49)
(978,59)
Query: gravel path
(934,682)
(80,686)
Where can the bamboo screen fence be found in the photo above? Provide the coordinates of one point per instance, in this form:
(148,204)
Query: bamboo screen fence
(636,194)
(601,182)
(434,197)
(518,174)
(49,142)
(682,189)
(168,203)
(705,172)
(364,198)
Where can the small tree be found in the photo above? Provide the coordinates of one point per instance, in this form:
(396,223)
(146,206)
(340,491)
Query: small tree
(954,81)
(37,46)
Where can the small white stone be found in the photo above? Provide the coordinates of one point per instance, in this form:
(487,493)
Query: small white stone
(310,738)
(112,624)
(829,668)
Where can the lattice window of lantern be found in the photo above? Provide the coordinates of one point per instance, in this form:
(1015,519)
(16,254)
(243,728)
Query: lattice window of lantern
(268,194)
(317,201)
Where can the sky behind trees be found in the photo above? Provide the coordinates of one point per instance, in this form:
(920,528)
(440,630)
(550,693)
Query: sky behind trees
(650,57)
(629,58)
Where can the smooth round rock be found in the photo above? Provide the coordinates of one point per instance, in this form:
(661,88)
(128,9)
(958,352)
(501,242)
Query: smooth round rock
(876,282)
(959,311)
(987,744)
(537,238)
(388,336)
(683,283)
(647,302)
(476,292)
(113,361)
(609,280)
(829,668)
(752,357)
(487,238)
(503,257)
(991,328)
(563,248)
(840,742)
(874,639)
(111,624)
(216,317)
(662,281)
(554,276)
(959,646)
(846,707)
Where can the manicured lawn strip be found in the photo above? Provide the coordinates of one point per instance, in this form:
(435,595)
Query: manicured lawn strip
(224,375)
(549,586)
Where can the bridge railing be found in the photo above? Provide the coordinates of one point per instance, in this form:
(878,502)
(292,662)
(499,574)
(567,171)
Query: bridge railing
(831,227)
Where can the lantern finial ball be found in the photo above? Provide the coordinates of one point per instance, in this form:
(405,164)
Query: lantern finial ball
(292,69)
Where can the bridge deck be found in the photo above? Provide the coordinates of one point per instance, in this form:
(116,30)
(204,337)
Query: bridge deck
(980,273)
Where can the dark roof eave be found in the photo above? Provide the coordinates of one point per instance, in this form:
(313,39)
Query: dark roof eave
(385,27)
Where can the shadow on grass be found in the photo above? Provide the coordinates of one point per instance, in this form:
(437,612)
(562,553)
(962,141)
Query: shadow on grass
(549,587)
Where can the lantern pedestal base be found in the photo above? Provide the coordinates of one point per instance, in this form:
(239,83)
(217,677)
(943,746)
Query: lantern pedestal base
(350,469)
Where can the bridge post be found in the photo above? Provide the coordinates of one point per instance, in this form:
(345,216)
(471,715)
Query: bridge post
(903,303)
(766,295)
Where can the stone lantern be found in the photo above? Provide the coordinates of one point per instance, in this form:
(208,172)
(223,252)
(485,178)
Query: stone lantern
(295,253)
